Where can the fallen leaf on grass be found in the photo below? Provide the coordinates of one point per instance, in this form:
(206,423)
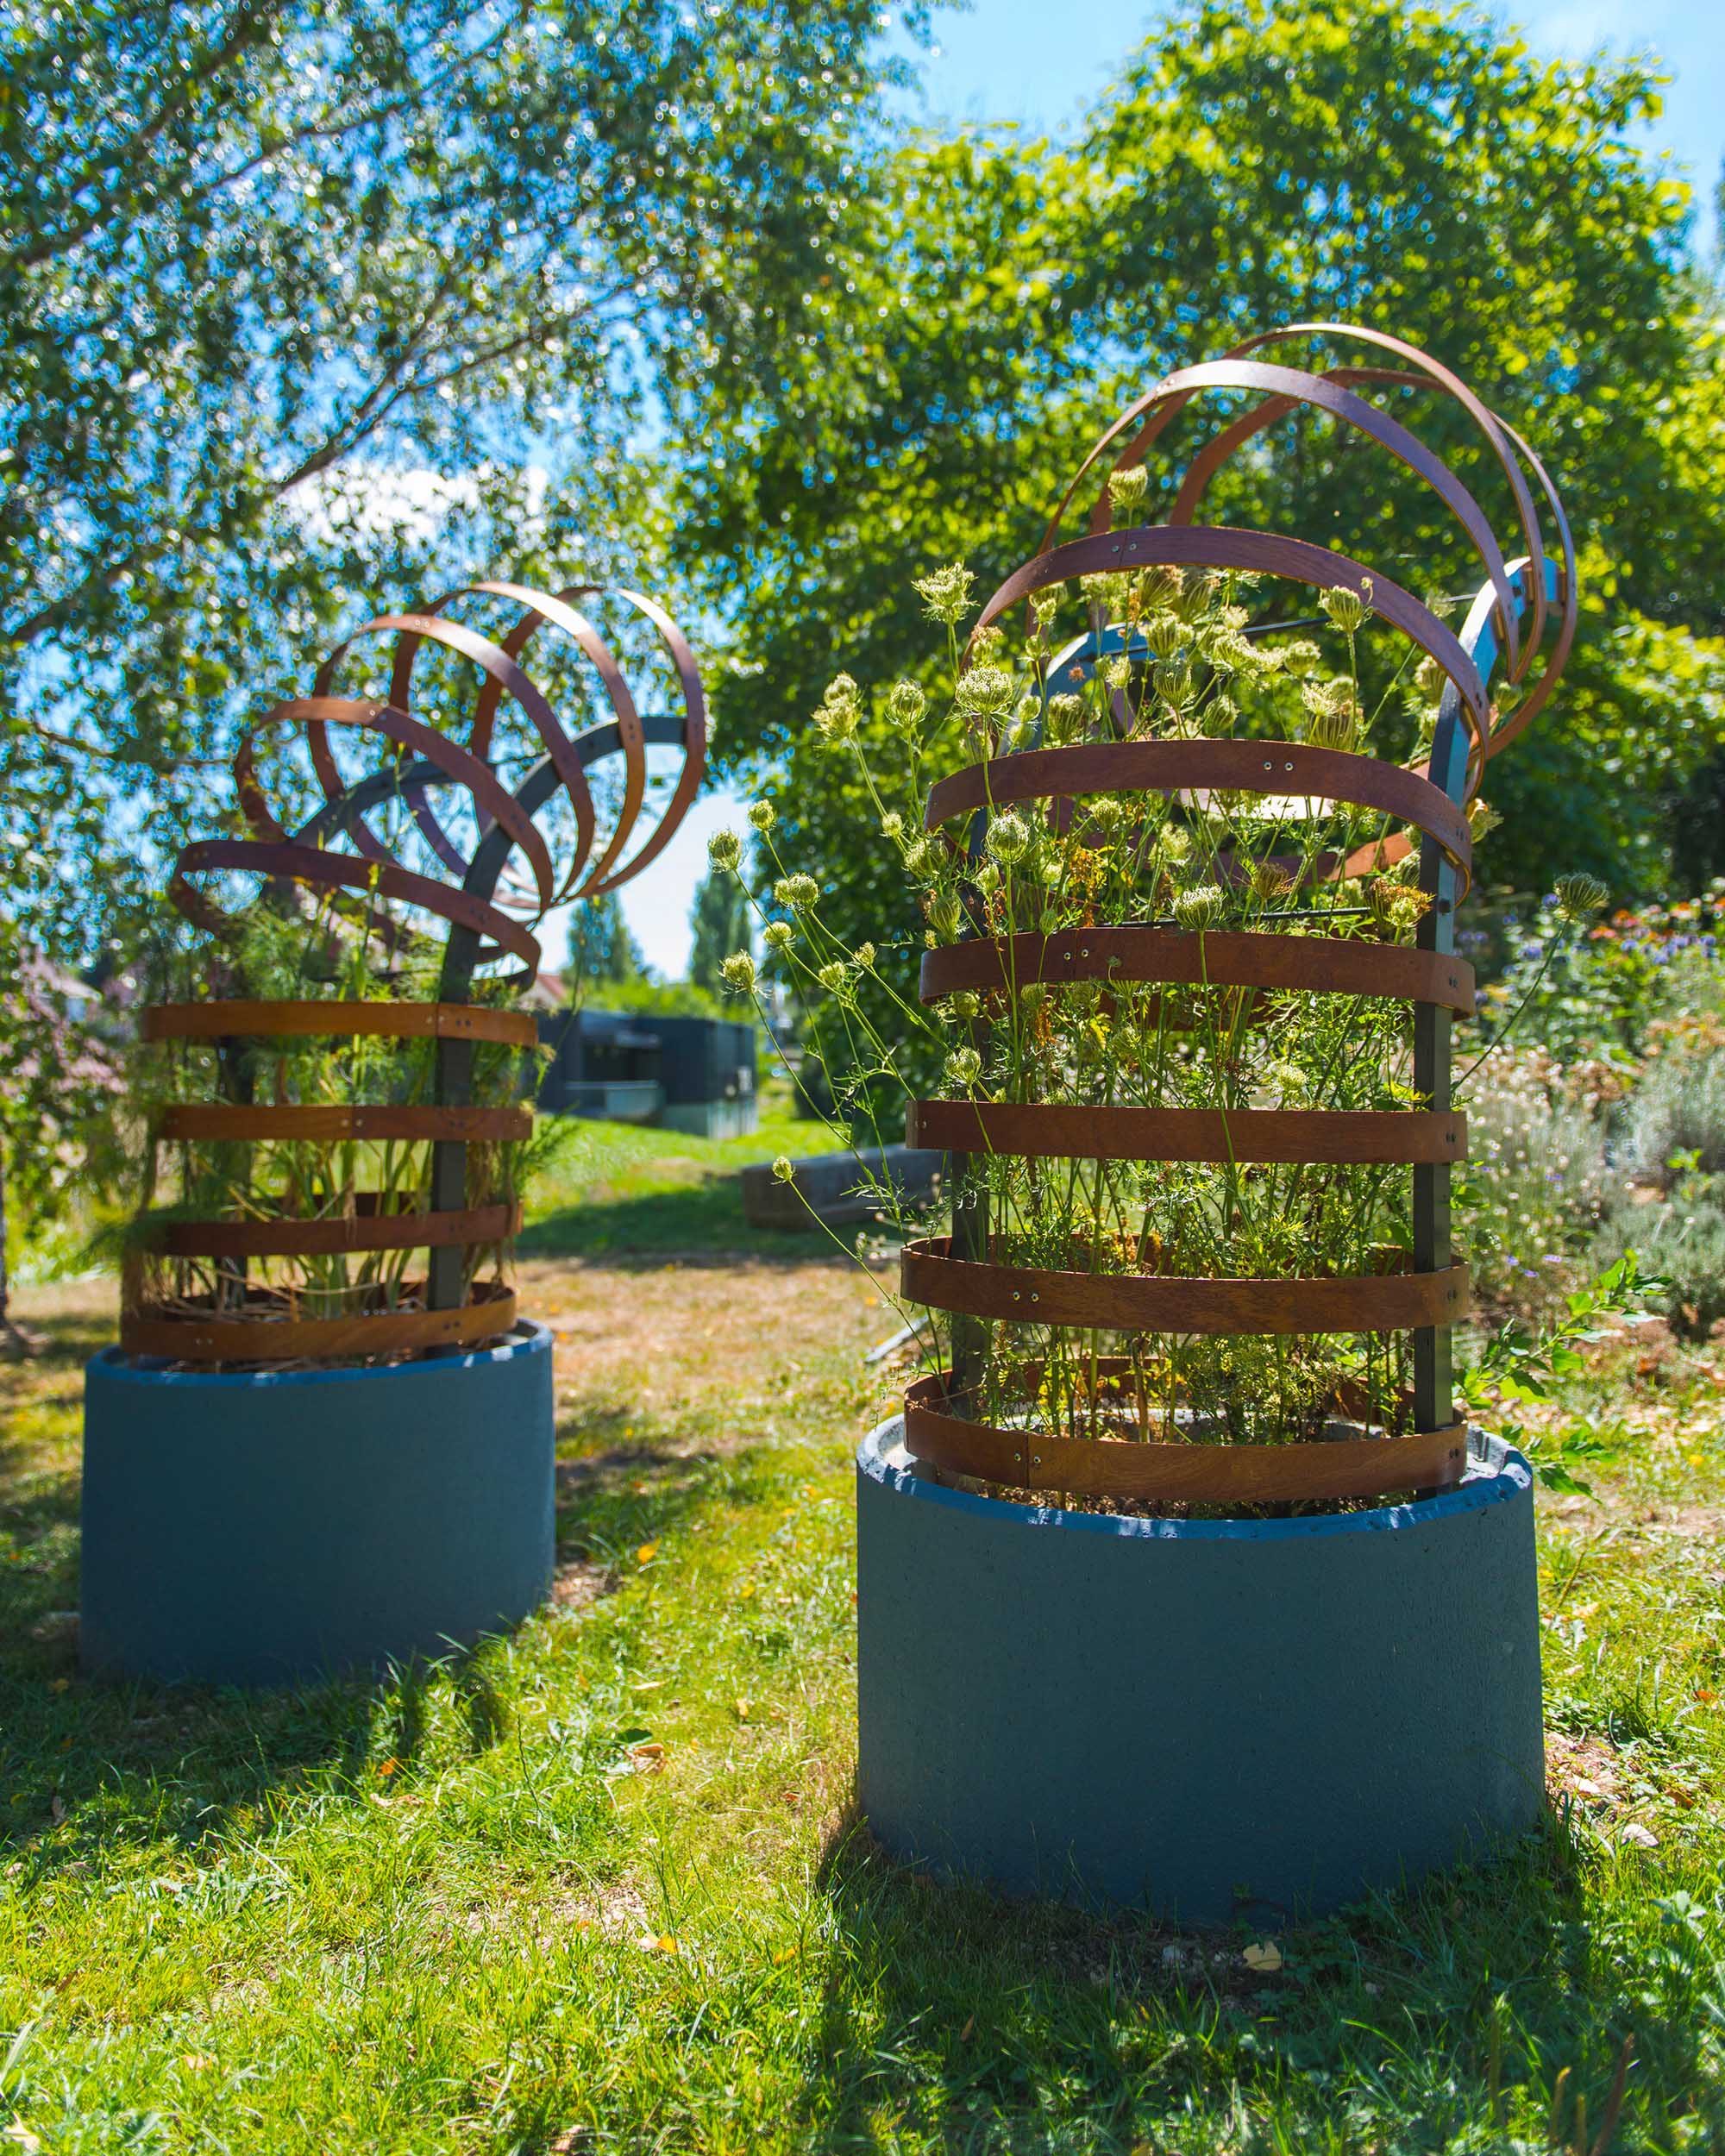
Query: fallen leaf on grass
(1643,1837)
(650,1758)
(664,1944)
(646,1553)
(741,1706)
(57,1810)
(968,2031)
(1263,1955)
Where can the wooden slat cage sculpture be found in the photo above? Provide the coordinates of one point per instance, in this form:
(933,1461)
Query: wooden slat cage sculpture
(218,1310)
(1524,617)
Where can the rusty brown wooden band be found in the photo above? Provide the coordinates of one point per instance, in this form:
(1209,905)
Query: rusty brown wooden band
(200,1339)
(491,798)
(1324,965)
(1193,1473)
(399,1021)
(1268,554)
(543,608)
(411,630)
(215,1122)
(1295,1137)
(1138,1302)
(480,1225)
(272,854)
(1161,404)
(1288,769)
(1287,387)
(1441,376)
(312,864)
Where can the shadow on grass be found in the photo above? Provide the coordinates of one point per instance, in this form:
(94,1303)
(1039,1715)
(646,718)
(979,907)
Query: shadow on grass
(1416,2015)
(87,1769)
(630,1484)
(705,1217)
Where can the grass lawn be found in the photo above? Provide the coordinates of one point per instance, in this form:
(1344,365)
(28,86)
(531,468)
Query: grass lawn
(619,1190)
(601,1885)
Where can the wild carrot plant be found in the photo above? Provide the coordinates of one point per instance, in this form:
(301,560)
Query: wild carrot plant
(1152,654)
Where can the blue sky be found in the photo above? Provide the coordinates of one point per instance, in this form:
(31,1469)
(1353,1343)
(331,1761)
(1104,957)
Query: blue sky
(1041,62)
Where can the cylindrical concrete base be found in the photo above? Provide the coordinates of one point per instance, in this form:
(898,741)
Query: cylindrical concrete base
(1205,1719)
(259,1529)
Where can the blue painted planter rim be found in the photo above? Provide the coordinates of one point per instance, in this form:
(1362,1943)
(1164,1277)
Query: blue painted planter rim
(1496,1473)
(525,1338)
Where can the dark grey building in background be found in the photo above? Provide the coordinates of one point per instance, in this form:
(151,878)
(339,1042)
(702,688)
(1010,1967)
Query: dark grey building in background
(684,1074)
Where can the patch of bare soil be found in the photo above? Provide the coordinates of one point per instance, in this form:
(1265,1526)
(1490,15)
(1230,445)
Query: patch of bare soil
(1587,1770)
(679,1336)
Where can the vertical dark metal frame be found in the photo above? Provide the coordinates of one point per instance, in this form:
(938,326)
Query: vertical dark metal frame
(453,1069)
(1434,1402)
(1434,1024)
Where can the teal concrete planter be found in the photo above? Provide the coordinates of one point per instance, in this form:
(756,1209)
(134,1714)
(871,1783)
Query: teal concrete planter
(285,1524)
(1204,1719)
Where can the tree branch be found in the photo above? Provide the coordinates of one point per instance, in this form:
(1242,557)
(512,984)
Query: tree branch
(333,131)
(250,19)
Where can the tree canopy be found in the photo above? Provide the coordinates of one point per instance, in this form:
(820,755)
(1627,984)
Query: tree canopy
(306,307)
(1261,162)
(719,918)
(312,307)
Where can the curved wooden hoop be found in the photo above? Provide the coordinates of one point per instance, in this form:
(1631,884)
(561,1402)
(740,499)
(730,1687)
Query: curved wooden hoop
(1159,405)
(1287,770)
(1292,1137)
(412,630)
(315,714)
(631,737)
(1234,436)
(215,1121)
(1285,388)
(1138,1302)
(1269,553)
(261,1339)
(399,1021)
(1195,1474)
(480,1225)
(309,864)
(1330,965)
(445,761)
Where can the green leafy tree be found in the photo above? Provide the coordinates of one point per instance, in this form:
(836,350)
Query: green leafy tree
(302,308)
(602,950)
(720,917)
(1262,162)
(309,308)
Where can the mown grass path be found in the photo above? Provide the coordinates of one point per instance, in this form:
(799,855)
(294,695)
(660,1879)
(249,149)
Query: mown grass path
(601,1886)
